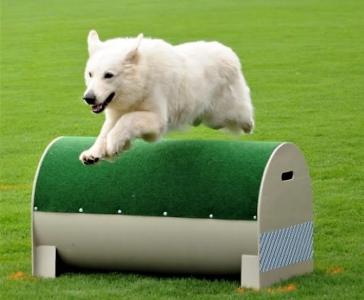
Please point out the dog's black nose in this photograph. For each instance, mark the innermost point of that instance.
(90, 97)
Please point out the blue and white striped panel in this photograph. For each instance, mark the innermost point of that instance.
(286, 246)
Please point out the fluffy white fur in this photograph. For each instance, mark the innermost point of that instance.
(158, 87)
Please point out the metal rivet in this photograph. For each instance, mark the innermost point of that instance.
(254, 217)
(119, 211)
(165, 214)
(35, 208)
(80, 210)
(211, 216)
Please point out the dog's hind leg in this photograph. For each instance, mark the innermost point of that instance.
(233, 109)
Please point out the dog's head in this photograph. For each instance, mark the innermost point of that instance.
(112, 75)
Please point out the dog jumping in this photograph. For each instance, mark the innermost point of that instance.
(147, 87)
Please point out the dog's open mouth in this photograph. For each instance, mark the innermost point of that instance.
(97, 108)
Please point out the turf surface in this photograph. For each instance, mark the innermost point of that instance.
(304, 63)
(188, 179)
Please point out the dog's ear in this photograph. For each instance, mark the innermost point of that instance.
(133, 53)
(93, 42)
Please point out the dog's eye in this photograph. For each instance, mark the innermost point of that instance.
(108, 75)
(90, 74)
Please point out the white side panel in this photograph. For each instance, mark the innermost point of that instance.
(155, 244)
(285, 217)
(283, 203)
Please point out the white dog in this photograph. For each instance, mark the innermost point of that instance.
(147, 86)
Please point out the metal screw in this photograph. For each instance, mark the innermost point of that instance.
(254, 217)
(165, 214)
(80, 210)
(119, 211)
(35, 208)
(211, 216)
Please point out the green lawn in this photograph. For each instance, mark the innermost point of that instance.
(304, 61)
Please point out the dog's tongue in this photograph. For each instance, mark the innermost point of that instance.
(97, 108)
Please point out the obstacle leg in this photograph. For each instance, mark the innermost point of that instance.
(44, 261)
(250, 274)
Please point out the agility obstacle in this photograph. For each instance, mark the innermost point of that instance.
(176, 207)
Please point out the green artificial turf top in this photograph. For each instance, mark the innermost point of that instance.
(193, 179)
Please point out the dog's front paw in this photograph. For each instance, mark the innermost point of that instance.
(89, 157)
(115, 146)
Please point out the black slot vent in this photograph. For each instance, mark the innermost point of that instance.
(287, 175)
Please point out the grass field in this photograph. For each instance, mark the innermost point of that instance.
(304, 61)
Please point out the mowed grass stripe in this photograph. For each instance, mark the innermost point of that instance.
(304, 63)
